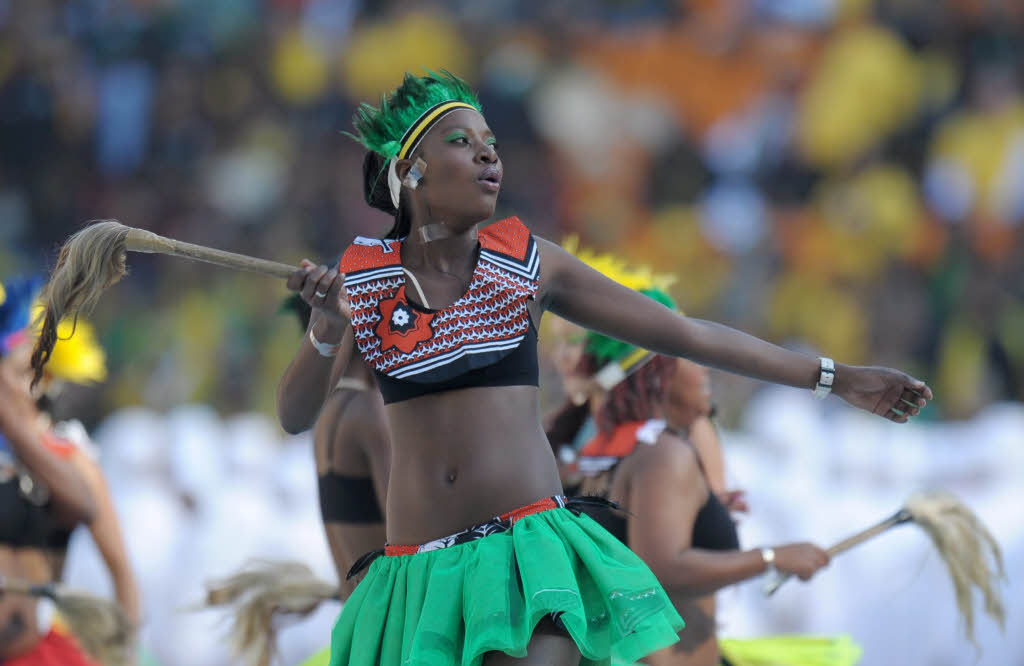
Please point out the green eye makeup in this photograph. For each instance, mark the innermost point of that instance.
(459, 134)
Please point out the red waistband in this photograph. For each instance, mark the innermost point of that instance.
(515, 515)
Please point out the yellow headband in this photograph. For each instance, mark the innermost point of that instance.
(423, 123)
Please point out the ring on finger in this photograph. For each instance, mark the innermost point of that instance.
(321, 294)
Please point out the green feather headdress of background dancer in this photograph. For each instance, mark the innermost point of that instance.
(394, 129)
(618, 359)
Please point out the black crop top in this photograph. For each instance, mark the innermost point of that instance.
(348, 499)
(519, 368)
(713, 528)
(27, 521)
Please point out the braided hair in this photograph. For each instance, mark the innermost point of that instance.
(377, 194)
(635, 398)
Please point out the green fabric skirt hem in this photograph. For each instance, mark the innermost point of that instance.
(449, 607)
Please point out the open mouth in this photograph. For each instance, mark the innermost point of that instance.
(490, 179)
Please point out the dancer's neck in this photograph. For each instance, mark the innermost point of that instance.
(436, 246)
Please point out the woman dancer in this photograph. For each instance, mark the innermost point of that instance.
(675, 521)
(572, 425)
(658, 403)
(43, 497)
(446, 318)
(78, 359)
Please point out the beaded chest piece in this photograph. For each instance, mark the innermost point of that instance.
(408, 342)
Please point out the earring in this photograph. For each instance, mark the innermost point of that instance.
(412, 178)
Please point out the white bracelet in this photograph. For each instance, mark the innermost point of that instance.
(772, 578)
(323, 348)
(826, 378)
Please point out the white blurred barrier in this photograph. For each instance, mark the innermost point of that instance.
(199, 496)
(819, 474)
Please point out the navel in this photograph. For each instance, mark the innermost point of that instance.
(452, 474)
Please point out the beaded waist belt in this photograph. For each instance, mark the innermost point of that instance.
(502, 523)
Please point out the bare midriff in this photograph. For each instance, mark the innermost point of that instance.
(461, 457)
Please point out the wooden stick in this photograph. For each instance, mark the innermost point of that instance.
(140, 240)
(901, 516)
(898, 518)
(94, 258)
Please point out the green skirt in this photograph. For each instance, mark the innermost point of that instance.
(449, 607)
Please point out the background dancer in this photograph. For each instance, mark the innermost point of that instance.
(43, 496)
(461, 406)
(572, 425)
(642, 456)
(78, 359)
(674, 520)
(351, 449)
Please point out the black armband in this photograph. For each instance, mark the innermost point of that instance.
(348, 499)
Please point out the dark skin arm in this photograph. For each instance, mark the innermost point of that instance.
(310, 376)
(19, 421)
(577, 292)
(106, 533)
(666, 491)
(704, 438)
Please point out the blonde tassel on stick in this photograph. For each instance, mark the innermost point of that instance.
(970, 552)
(262, 595)
(95, 258)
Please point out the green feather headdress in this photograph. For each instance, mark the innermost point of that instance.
(617, 359)
(381, 128)
(608, 350)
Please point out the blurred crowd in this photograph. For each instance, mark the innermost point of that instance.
(848, 173)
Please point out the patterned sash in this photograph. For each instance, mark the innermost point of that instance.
(496, 525)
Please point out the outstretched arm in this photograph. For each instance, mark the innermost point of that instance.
(575, 291)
